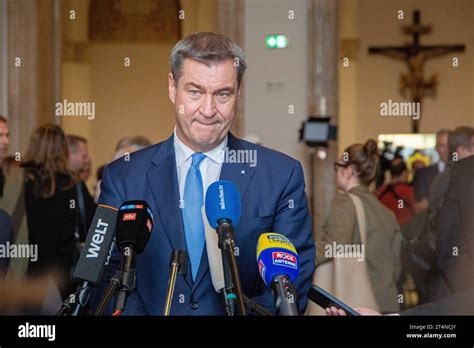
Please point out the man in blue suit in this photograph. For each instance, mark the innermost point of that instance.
(172, 176)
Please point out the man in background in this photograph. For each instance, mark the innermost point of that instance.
(424, 177)
(11, 196)
(79, 158)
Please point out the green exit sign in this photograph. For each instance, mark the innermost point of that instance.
(276, 41)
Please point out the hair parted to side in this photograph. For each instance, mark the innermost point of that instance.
(3, 119)
(207, 48)
(365, 160)
(47, 156)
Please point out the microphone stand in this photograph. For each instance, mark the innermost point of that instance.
(233, 288)
(178, 263)
(285, 296)
(114, 284)
(73, 304)
(259, 309)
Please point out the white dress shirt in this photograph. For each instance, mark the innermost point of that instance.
(441, 166)
(210, 166)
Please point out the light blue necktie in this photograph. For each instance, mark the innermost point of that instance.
(192, 216)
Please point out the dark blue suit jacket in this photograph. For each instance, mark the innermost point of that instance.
(6, 235)
(273, 200)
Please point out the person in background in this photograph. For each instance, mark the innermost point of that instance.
(397, 195)
(6, 237)
(11, 197)
(382, 252)
(131, 144)
(79, 158)
(424, 177)
(125, 146)
(422, 249)
(461, 146)
(456, 227)
(99, 173)
(52, 207)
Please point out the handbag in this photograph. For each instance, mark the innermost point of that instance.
(346, 278)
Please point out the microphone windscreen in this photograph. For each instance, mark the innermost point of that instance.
(223, 202)
(276, 255)
(99, 242)
(134, 225)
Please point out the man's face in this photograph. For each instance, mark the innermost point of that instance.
(442, 147)
(205, 100)
(4, 140)
(80, 159)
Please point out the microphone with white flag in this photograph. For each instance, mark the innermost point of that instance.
(215, 266)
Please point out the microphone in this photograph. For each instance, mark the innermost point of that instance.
(178, 263)
(93, 259)
(278, 266)
(134, 225)
(223, 209)
(98, 246)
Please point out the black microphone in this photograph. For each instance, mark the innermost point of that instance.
(134, 225)
(93, 259)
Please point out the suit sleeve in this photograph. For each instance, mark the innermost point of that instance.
(294, 221)
(453, 248)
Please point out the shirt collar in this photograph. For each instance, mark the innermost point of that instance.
(441, 166)
(183, 152)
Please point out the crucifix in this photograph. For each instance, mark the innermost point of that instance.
(415, 56)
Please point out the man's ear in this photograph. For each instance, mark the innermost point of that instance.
(238, 93)
(171, 88)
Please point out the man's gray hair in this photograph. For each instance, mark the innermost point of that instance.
(462, 136)
(138, 142)
(207, 48)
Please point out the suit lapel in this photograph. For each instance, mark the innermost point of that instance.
(163, 181)
(238, 173)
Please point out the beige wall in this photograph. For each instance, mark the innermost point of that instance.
(371, 80)
(129, 100)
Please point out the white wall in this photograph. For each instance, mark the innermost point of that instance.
(275, 78)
